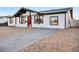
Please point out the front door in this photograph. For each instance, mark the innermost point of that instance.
(29, 22)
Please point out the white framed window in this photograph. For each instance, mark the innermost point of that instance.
(23, 19)
(38, 19)
(11, 21)
(53, 20)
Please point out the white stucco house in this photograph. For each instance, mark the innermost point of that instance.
(55, 18)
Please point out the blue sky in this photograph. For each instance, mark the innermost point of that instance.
(4, 11)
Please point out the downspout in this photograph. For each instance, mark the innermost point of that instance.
(65, 20)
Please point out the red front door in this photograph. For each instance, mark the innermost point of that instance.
(29, 21)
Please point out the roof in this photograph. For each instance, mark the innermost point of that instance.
(23, 10)
(5, 16)
(52, 11)
(63, 10)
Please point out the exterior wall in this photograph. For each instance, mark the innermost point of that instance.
(46, 22)
(18, 24)
(28, 13)
(68, 19)
(11, 24)
(75, 23)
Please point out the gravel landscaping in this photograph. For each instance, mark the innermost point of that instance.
(61, 41)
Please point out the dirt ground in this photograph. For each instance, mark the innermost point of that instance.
(13, 39)
(61, 41)
(12, 31)
(9, 31)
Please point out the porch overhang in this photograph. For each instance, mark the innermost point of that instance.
(23, 10)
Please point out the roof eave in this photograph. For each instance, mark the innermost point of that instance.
(53, 13)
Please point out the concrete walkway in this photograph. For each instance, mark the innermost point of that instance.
(14, 43)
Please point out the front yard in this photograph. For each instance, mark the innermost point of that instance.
(13, 39)
(62, 41)
(14, 31)
(39, 40)
(10, 31)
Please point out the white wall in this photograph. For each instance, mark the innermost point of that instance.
(25, 24)
(11, 24)
(68, 19)
(19, 24)
(28, 13)
(46, 22)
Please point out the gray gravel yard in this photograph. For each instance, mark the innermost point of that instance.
(62, 41)
(15, 43)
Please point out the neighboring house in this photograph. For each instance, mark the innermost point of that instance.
(55, 18)
(3, 21)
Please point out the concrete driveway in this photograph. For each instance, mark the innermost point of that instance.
(14, 43)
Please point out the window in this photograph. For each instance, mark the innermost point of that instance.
(38, 19)
(11, 20)
(15, 20)
(53, 20)
(23, 20)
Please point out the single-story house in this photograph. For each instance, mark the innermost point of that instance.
(55, 18)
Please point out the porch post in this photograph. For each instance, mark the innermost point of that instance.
(29, 20)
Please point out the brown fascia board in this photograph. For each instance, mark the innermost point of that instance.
(52, 13)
